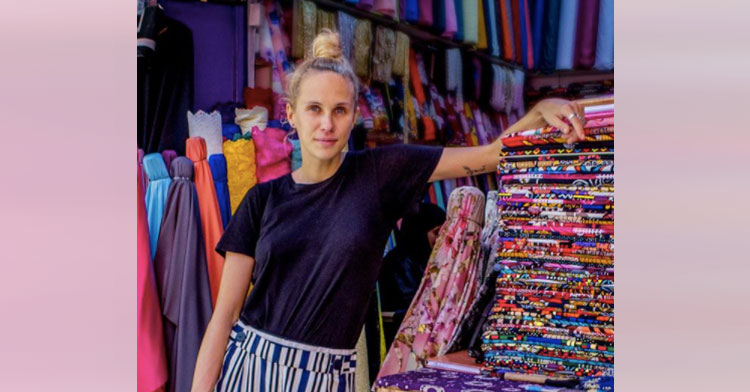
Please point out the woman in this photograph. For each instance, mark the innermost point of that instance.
(311, 241)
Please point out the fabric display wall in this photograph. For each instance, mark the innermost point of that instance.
(554, 294)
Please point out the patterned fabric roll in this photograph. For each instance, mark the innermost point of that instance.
(446, 289)
(309, 25)
(382, 58)
(346, 24)
(362, 46)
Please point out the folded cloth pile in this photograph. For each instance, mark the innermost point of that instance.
(553, 309)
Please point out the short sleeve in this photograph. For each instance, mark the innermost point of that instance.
(241, 234)
(402, 172)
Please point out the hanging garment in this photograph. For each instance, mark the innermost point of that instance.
(257, 361)
(537, 25)
(416, 80)
(207, 126)
(218, 164)
(247, 119)
(401, 55)
(156, 194)
(439, 380)
(241, 169)
(605, 37)
(382, 58)
(586, 32)
(507, 22)
(550, 34)
(169, 156)
(567, 35)
(346, 25)
(527, 49)
(151, 355)
(438, 16)
(471, 18)
(309, 25)
(182, 276)
(210, 214)
(481, 26)
(165, 88)
(271, 153)
(451, 24)
(445, 291)
(362, 46)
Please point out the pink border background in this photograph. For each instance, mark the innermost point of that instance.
(67, 238)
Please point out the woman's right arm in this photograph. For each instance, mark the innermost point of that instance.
(235, 281)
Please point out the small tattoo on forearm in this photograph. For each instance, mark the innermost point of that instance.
(472, 172)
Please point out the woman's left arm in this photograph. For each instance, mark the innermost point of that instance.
(469, 161)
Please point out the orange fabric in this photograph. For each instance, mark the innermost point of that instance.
(416, 83)
(506, 17)
(208, 203)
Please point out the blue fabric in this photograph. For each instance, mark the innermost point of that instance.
(412, 11)
(459, 20)
(218, 164)
(228, 130)
(567, 36)
(550, 32)
(156, 195)
(490, 17)
(296, 154)
(605, 38)
(537, 22)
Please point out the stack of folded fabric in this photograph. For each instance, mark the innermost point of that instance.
(554, 300)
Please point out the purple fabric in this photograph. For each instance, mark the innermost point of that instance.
(169, 156)
(586, 32)
(219, 39)
(182, 276)
(434, 380)
(425, 12)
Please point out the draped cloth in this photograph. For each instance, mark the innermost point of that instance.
(550, 33)
(169, 156)
(152, 357)
(241, 169)
(445, 291)
(586, 32)
(218, 164)
(182, 276)
(605, 38)
(272, 153)
(567, 34)
(210, 214)
(156, 194)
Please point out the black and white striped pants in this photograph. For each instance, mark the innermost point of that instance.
(258, 362)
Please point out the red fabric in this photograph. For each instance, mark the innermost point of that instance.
(208, 203)
(506, 17)
(516, 29)
(151, 354)
(259, 97)
(416, 82)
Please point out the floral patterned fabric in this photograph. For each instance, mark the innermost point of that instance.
(447, 288)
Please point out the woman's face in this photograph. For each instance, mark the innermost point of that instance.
(323, 115)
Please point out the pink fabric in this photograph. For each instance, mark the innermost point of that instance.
(425, 12)
(451, 23)
(272, 153)
(152, 357)
(447, 288)
(386, 7)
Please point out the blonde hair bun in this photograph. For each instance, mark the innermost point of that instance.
(327, 44)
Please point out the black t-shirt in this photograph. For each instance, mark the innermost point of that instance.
(318, 247)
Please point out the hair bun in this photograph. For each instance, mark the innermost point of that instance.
(327, 44)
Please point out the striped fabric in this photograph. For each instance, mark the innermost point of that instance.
(259, 362)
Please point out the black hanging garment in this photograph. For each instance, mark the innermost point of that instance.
(165, 84)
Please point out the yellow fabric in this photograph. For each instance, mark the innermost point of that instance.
(481, 27)
(241, 169)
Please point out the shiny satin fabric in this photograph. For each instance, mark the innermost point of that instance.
(151, 352)
(210, 214)
(156, 194)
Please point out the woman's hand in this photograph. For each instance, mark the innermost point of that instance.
(552, 111)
